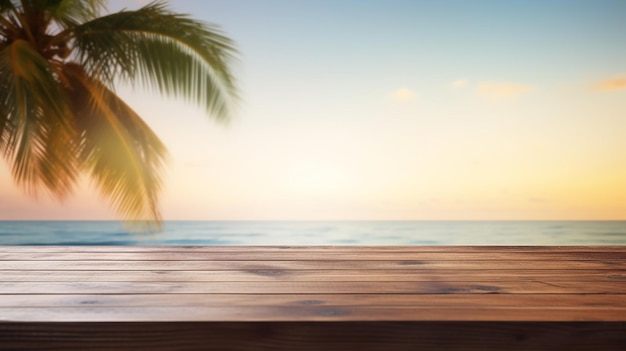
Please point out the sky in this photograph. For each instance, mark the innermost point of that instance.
(394, 110)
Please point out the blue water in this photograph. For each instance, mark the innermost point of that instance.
(318, 233)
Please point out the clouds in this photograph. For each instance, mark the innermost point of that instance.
(611, 84)
(502, 90)
(493, 90)
(402, 95)
(459, 83)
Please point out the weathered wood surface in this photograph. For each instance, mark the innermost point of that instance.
(559, 297)
(314, 336)
(240, 284)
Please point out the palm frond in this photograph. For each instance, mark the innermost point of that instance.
(72, 12)
(35, 132)
(121, 153)
(169, 52)
(59, 114)
(6, 5)
(8, 128)
(8, 18)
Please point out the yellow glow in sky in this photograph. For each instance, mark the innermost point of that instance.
(427, 117)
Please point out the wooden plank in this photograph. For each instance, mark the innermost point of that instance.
(317, 256)
(99, 265)
(540, 301)
(313, 336)
(267, 298)
(378, 275)
(305, 313)
(423, 287)
(312, 249)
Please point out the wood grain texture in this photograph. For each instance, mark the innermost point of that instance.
(339, 255)
(174, 265)
(339, 298)
(538, 301)
(344, 275)
(312, 287)
(345, 336)
(315, 249)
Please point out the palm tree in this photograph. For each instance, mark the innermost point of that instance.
(60, 117)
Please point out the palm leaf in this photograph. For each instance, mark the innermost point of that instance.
(59, 114)
(168, 52)
(72, 12)
(6, 5)
(121, 153)
(35, 133)
(8, 20)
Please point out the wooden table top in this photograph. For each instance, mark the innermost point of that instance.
(285, 284)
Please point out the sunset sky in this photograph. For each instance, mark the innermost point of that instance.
(394, 110)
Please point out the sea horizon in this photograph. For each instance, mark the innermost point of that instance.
(317, 232)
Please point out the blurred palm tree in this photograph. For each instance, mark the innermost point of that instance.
(60, 117)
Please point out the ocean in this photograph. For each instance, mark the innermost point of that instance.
(189, 233)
